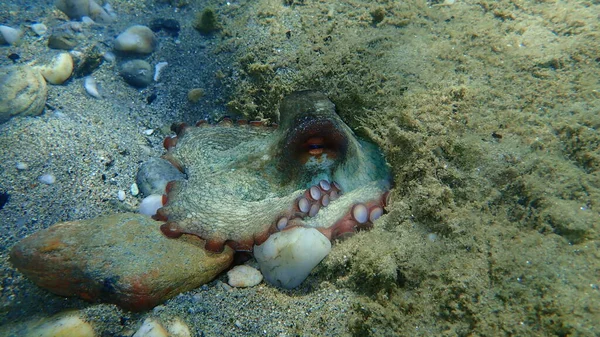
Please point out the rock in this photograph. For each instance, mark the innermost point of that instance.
(137, 73)
(151, 328)
(122, 259)
(287, 257)
(153, 176)
(244, 276)
(77, 9)
(9, 35)
(63, 39)
(136, 39)
(23, 92)
(65, 324)
(39, 29)
(58, 70)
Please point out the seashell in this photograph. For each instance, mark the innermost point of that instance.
(39, 28)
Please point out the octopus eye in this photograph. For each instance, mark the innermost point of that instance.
(315, 138)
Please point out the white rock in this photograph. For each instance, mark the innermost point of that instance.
(151, 328)
(158, 69)
(287, 257)
(136, 39)
(21, 166)
(9, 35)
(39, 28)
(151, 204)
(121, 195)
(63, 325)
(47, 179)
(134, 189)
(177, 328)
(244, 276)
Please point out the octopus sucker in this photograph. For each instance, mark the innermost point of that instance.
(247, 182)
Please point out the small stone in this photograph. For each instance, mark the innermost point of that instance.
(158, 70)
(151, 328)
(77, 9)
(47, 179)
(178, 328)
(67, 324)
(137, 73)
(39, 28)
(243, 276)
(121, 195)
(136, 39)
(134, 189)
(91, 87)
(123, 259)
(21, 166)
(57, 70)
(148, 132)
(23, 92)
(195, 94)
(9, 35)
(63, 39)
(171, 26)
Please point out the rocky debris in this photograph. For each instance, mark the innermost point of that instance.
(122, 259)
(23, 92)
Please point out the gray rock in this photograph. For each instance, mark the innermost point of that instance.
(76, 9)
(153, 176)
(137, 73)
(63, 39)
(23, 92)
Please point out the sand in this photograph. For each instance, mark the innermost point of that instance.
(487, 113)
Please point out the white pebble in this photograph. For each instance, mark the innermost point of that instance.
(151, 328)
(89, 83)
(151, 204)
(148, 132)
(9, 35)
(121, 195)
(244, 276)
(86, 20)
(109, 56)
(39, 28)
(157, 70)
(47, 179)
(134, 189)
(21, 166)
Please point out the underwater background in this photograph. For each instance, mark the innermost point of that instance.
(487, 112)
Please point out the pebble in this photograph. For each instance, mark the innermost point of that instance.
(158, 69)
(9, 35)
(244, 276)
(137, 73)
(23, 92)
(77, 9)
(68, 324)
(39, 28)
(21, 166)
(64, 38)
(134, 189)
(148, 132)
(151, 328)
(89, 83)
(121, 195)
(59, 69)
(47, 179)
(136, 39)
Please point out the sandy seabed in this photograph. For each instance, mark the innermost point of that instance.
(487, 112)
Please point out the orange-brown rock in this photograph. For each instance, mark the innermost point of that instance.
(122, 259)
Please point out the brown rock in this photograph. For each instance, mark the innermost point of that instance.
(122, 259)
(22, 92)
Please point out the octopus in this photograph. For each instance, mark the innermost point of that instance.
(246, 181)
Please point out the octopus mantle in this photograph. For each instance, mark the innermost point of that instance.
(246, 181)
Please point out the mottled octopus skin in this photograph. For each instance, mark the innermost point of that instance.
(242, 179)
